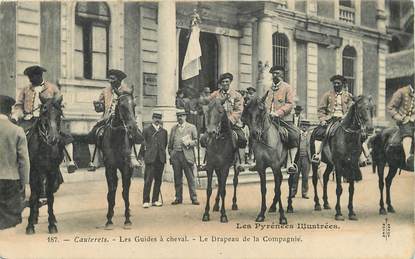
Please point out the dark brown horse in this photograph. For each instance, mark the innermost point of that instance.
(219, 153)
(387, 149)
(117, 143)
(46, 154)
(269, 151)
(342, 152)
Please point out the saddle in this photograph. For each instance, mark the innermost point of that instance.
(332, 127)
(281, 130)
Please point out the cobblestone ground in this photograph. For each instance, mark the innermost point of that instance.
(81, 208)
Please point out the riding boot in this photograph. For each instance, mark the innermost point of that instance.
(92, 152)
(291, 166)
(409, 158)
(69, 153)
(317, 156)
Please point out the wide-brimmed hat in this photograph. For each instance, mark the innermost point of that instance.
(157, 115)
(180, 112)
(118, 73)
(34, 70)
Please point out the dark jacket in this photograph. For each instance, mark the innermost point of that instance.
(154, 142)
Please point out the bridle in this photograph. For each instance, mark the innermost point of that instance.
(43, 131)
(359, 122)
(260, 120)
(123, 125)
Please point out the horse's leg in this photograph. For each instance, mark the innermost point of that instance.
(278, 181)
(291, 180)
(381, 169)
(33, 202)
(224, 176)
(208, 194)
(389, 179)
(51, 198)
(217, 198)
(235, 185)
(112, 182)
(326, 176)
(317, 205)
(126, 182)
(352, 214)
(262, 177)
(339, 191)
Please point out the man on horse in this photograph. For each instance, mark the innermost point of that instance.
(27, 108)
(333, 106)
(280, 103)
(106, 103)
(233, 105)
(402, 109)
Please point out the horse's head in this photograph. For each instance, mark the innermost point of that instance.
(125, 110)
(215, 114)
(363, 112)
(50, 118)
(254, 113)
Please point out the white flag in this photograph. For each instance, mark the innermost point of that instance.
(191, 63)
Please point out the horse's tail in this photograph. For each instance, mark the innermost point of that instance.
(377, 149)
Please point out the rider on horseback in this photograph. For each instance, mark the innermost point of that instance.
(233, 106)
(402, 109)
(106, 103)
(333, 106)
(280, 103)
(27, 108)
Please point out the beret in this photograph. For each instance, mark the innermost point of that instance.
(338, 77)
(225, 76)
(34, 70)
(118, 73)
(275, 68)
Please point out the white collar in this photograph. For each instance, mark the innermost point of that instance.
(157, 127)
(182, 125)
(275, 87)
(3, 117)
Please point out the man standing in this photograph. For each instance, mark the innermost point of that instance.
(304, 159)
(333, 106)
(153, 150)
(15, 166)
(106, 103)
(402, 109)
(279, 103)
(297, 115)
(233, 105)
(27, 108)
(183, 139)
(251, 92)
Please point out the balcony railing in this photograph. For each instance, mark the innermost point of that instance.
(280, 3)
(347, 14)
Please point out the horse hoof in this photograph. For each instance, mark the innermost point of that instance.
(317, 207)
(224, 219)
(109, 226)
(52, 229)
(272, 210)
(382, 211)
(391, 209)
(205, 217)
(326, 207)
(283, 221)
(290, 210)
(127, 224)
(234, 207)
(260, 218)
(352, 217)
(339, 217)
(30, 230)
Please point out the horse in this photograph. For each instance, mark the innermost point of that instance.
(269, 151)
(46, 154)
(220, 154)
(387, 149)
(116, 145)
(342, 152)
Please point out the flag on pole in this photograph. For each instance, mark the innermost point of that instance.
(191, 63)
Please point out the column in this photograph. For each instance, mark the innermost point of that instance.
(383, 50)
(312, 79)
(166, 90)
(381, 16)
(264, 53)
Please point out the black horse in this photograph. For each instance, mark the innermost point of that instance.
(46, 154)
(342, 152)
(387, 149)
(117, 143)
(269, 151)
(219, 153)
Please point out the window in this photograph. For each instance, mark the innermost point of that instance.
(349, 67)
(280, 52)
(92, 20)
(347, 11)
(347, 3)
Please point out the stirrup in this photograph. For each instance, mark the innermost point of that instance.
(91, 167)
(315, 159)
(293, 169)
(72, 167)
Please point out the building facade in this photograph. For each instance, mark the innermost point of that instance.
(77, 42)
